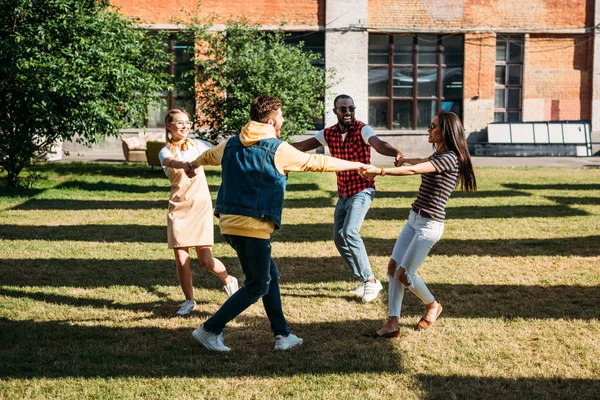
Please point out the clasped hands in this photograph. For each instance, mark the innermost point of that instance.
(189, 169)
(370, 171)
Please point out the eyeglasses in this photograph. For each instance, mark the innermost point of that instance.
(432, 126)
(345, 109)
(181, 124)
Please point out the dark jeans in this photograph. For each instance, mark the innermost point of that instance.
(262, 280)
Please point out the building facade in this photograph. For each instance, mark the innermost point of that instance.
(403, 61)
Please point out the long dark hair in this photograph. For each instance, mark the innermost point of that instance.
(454, 137)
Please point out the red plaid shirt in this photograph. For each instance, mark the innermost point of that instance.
(353, 148)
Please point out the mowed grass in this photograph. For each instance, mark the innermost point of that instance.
(88, 292)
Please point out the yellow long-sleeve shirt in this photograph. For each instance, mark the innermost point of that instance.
(287, 159)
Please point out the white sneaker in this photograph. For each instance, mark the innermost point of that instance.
(371, 291)
(186, 308)
(359, 291)
(209, 340)
(231, 287)
(287, 342)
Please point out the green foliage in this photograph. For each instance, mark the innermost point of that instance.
(70, 69)
(241, 62)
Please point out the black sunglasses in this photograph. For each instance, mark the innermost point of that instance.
(345, 109)
(432, 126)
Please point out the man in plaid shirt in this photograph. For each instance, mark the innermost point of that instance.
(351, 140)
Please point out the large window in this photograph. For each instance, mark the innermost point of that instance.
(171, 99)
(413, 77)
(509, 78)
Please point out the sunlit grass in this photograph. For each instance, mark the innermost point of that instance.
(88, 292)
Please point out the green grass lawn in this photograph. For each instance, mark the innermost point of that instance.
(88, 292)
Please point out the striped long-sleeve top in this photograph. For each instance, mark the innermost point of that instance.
(436, 187)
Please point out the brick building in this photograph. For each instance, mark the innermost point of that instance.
(403, 61)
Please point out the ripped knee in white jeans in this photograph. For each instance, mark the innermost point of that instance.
(408, 282)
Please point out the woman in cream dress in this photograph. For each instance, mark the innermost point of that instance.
(190, 217)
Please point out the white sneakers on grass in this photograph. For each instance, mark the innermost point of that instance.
(209, 340)
(372, 290)
(231, 287)
(215, 342)
(287, 342)
(359, 291)
(187, 308)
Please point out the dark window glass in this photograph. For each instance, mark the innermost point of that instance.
(426, 112)
(514, 75)
(427, 49)
(499, 98)
(403, 82)
(498, 117)
(427, 82)
(514, 98)
(515, 50)
(402, 114)
(378, 49)
(403, 48)
(513, 116)
(453, 50)
(501, 74)
(500, 50)
(378, 82)
(452, 82)
(377, 114)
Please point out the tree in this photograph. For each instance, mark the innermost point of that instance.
(234, 65)
(71, 69)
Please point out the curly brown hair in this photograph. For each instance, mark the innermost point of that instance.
(263, 108)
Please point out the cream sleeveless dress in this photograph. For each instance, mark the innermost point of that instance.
(190, 217)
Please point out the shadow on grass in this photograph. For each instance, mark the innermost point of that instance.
(591, 201)
(480, 212)
(556, 186)
(64, 349)
(474, 387)
(114, 187)
(460, 300)
(455, 194)
(583, 246)
(57, 204)
(118, 170)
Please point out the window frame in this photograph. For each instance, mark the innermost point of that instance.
(507, 86)
(440, 66)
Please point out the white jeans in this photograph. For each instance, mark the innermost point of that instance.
(412, 246)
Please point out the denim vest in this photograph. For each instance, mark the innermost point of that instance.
(251, 185)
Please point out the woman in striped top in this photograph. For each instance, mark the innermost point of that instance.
(440, 172)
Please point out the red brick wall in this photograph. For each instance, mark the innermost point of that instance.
(265, 12)
(558, 70)
(480, 58)
(496, 14)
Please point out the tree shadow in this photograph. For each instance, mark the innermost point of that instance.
(481, 212)
(118, 170)
(60, 204)
(555, 186)
(114, 187)
(64, 349)
(583, 246)
(455, 194)
(475, 387)
(591, 201)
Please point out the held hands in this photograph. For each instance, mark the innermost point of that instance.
(369, 171)
(400, 160)
(189, 169)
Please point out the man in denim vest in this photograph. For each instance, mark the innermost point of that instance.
(351, 140)
(249, 206)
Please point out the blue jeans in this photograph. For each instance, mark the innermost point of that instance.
(347, 220)
(262, 280)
